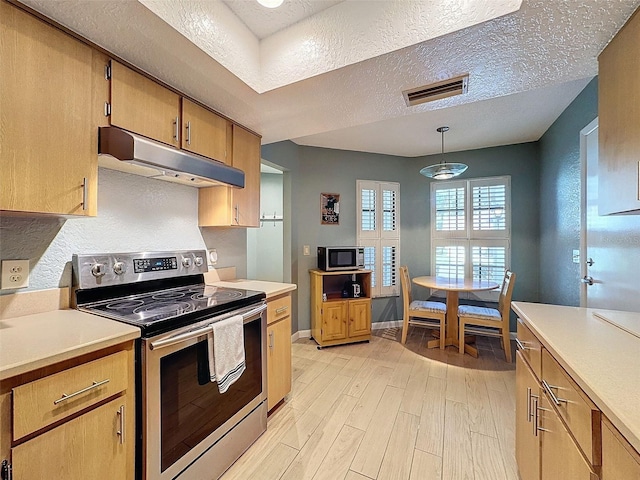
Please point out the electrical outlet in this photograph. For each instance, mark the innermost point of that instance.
(213, 256)
(575, 257)
(15, 274)
(305, 250)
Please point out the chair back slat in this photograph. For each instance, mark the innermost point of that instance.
(405, 282)
(504, 302)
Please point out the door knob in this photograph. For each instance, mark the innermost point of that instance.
(590, 262)
(587, 279)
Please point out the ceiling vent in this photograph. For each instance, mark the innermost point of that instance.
(436, 91)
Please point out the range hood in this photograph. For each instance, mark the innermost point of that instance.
(128, 152)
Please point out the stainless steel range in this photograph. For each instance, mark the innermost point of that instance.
(185, 427)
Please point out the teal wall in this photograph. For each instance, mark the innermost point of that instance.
(315, 170)
(560, 169)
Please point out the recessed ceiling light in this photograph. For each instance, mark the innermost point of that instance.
(270, 3)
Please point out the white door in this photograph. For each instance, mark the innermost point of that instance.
(610, 243)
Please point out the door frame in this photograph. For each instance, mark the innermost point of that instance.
(583, 206)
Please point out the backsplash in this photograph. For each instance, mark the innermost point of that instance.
(134, 214)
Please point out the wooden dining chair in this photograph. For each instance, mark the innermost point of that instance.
(489, 321)
(419, 312)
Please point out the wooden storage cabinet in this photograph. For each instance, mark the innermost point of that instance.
(619, 459)
(527, 440)
(73, 420)
(336, 320)
(279, 349)
(619, 121)
(558, 428)
(49, 111)
(140, 105)
(205, 132)
(228, 206)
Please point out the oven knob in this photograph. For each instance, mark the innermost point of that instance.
(186, 262)
(98, 269)
(198, 261)
(120, 268)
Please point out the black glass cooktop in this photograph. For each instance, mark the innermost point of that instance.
(165, 309)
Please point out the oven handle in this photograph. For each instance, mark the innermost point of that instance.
(181, 337)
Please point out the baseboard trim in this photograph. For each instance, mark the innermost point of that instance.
(300, 334)
(374, 326)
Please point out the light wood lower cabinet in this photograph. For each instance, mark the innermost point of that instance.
(557, 426)
(74, 420)
(49, 111)
(619, 459)
(560, 457)
(336, 320)
(235, 207)
(278, 349)
(86, 447)
(527, 440)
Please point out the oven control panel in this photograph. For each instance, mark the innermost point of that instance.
(101, 270)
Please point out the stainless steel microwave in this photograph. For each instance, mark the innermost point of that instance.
(340, 258)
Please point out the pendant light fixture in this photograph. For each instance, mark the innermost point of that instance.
(443, 170)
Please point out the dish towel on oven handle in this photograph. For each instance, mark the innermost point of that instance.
(226, 351)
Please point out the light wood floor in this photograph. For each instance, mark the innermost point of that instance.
(382, 410)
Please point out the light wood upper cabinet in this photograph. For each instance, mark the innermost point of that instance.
(48, 119)
(206, 133)
(619, 121)
(227, 206)
(140, 105)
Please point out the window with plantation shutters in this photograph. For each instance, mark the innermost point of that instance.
(378, 232)
(470, 230)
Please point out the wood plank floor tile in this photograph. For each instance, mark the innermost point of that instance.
(336, 463)
(306, 464)
(478, 404)
(431, 433)
(457, 456)
(413, 397)
(487, 458)
(274, 464)
(456, 384)
(369, 456)
(396, 463)
(351, 475)
(505, 417)
(425, 466)
(367, 404)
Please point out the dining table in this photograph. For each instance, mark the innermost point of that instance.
(453, 287)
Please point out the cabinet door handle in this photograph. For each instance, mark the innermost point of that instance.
(536, 427)
(85, 193)
(65, 397)
(188, 133)
(176, 129)
(122, 424)
(555, 399)
(281, 310)
(271, 339)
(528, 404)
(520, 345)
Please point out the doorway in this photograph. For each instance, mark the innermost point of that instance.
(609, 244)
(265, 245)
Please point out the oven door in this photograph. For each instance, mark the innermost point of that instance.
(183, 413)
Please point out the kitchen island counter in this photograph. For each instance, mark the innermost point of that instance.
(602, 358)
(34, 341)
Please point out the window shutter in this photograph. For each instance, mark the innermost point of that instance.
(490, 208)
(448, 210)
(390, 211)
(389, 265)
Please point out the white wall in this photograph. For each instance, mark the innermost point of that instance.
(134, 214)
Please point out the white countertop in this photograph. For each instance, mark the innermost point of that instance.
(272, 289)
(603, 359)
(34, 341)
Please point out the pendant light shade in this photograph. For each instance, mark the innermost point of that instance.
(270, 3)
(443, 170)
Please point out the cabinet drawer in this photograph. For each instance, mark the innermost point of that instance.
(277, 308)
(530, 348)
(53, 398)
(579, 413)
(619, 459)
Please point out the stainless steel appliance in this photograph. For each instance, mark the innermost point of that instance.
(340, 258)
(186, 429)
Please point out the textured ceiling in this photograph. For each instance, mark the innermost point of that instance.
(525, 68)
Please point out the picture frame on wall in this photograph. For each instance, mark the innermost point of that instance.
(330, 208)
